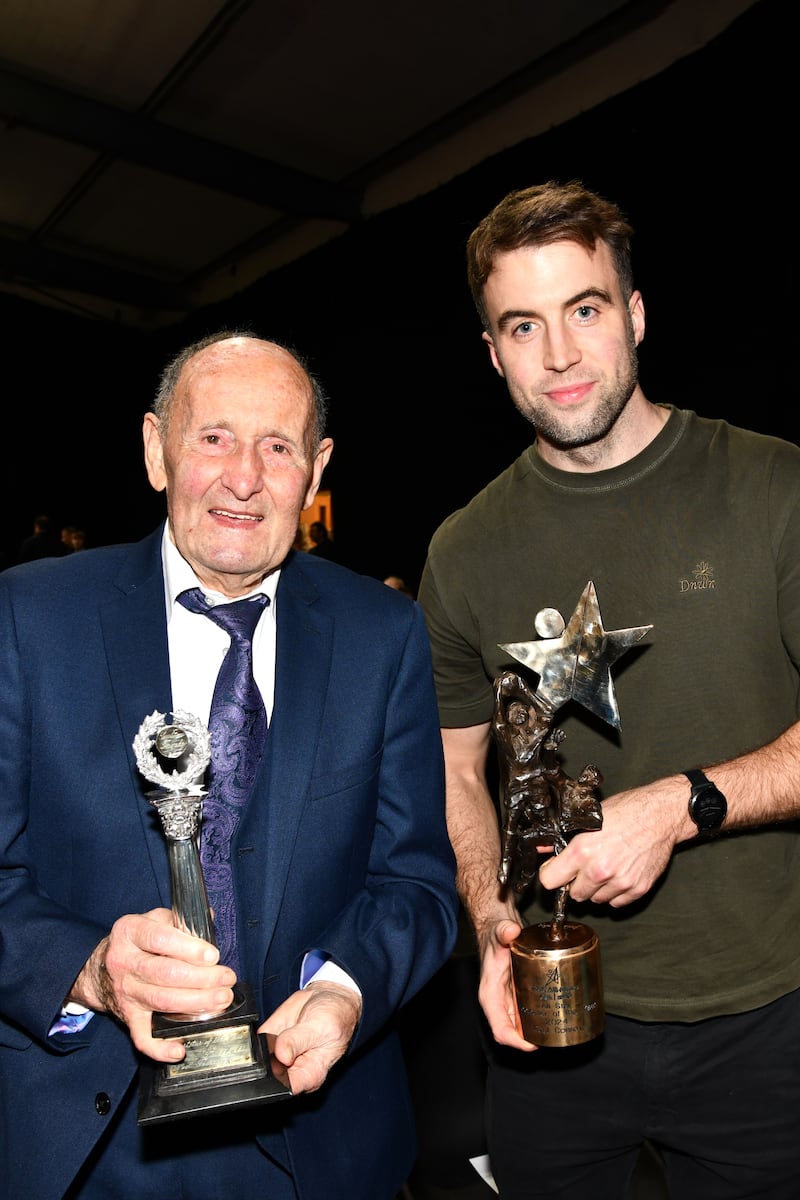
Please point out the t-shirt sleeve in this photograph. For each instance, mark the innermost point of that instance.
(463, 690)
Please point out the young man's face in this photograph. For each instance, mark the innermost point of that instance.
(564, 338)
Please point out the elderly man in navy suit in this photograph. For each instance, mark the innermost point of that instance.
(342, 874)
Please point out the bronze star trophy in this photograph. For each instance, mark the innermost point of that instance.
(556, 964)
(227, 1061)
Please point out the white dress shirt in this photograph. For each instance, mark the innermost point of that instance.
(197, 648)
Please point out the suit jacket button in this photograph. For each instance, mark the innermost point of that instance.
(103, 1104)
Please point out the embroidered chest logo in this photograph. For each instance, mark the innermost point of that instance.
(702, 579)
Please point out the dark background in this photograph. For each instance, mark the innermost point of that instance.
(699, 157)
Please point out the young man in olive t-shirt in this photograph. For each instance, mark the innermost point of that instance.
(693, 885)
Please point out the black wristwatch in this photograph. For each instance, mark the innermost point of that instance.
(707, 805)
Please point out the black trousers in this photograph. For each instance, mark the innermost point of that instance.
(719, 1098)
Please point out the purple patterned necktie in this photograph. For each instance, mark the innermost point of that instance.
(238, 728)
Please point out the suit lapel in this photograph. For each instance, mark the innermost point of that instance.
(135, 637)
(302, 678)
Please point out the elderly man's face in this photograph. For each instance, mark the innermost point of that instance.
(236, 462)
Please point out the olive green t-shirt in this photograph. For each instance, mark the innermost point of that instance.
(698, 536)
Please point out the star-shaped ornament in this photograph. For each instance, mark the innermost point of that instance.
(574, 661)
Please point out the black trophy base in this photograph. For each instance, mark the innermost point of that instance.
(228, 1064)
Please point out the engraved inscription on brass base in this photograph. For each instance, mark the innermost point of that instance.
(558, 984)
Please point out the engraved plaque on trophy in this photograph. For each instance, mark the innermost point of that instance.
(227, 1062)
(555, 964)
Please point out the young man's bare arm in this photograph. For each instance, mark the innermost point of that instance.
(474, 831)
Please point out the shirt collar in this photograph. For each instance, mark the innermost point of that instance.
(178, 576)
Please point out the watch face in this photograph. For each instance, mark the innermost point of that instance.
(708, 808)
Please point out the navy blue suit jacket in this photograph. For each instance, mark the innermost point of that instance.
(342, 849)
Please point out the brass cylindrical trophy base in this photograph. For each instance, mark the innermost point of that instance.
(558, 984)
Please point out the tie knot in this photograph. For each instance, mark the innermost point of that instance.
(239, 619)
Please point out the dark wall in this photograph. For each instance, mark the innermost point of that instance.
(698, 158)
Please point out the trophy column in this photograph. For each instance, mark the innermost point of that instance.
(227, 1061)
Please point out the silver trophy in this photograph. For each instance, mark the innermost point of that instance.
(228, 1063)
